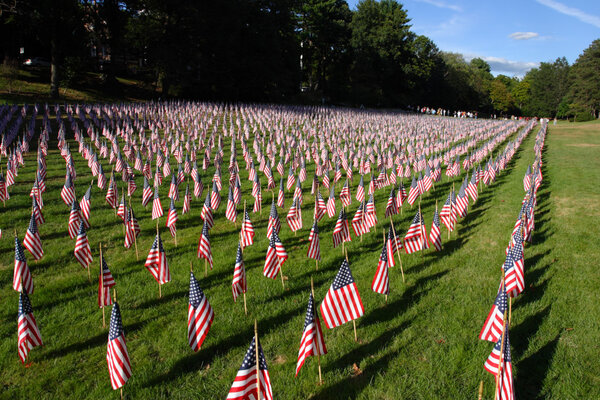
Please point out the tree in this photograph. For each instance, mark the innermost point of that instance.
(500, 96)
(585, 82)
(549, 84)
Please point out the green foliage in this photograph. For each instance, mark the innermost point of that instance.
(500, 96)
(549, 84)
(585, 87)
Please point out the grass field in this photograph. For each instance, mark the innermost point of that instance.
(422, 344)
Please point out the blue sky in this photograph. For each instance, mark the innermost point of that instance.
(512, 36)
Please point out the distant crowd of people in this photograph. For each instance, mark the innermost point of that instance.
(443, 112)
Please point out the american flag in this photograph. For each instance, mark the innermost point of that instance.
(391, 207)
(435, 236)
(499, 364)
(85, 206)
(156, 262)
(74, 220)
(247, 231)
(276, 256)
(67, 192)
(448, 213)
(82, 251)
(3, 189)
(294, 216)
(341, 231)
(187, 200)
(121, 209)
(312, 342)
(117, 357)
(274, 224)
(111, 193)
(204, 250)
(326, 179)
(514, 272)
(358, 222)
(32, 241)
(245, 384)
(342, 302)
(101, 178)
(360, 190)
(257, 199)
(172, 219)
(298, 192)
(206, 212)
(131, 186)
(472, 187)
(200, 315)
(345, 196)
(230, 210)
(331, 202)
(22, 280)
(414, 192)
(381, 280)
(215, 197)
(173, 188)
(370, 218)
(320, 206)
(157, 210)
(146, 193)
(27, 331)
(198, 186)
(105, 283)
(291, 179)
(37, 212)
(281, 195)
(462, 202)
(494, 323)
(239, 285)
(401, 195)
(416, 237)
(314, 247)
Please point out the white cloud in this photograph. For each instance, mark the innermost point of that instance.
(572, 12)
(524, 35)
(502, 65)
(441, 4)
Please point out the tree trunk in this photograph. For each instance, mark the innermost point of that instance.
(54, 65)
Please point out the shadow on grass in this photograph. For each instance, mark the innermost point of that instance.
(351, 386)
(532, 371)
(195, 362)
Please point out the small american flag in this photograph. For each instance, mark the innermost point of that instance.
(370, 218)
(32, 241)
(67, 192)
(82, 252)
(314, 247)
(281, 194)
(499, 364)
(414, 239)
(381, 280)
(391, 207)
(448, 213)
(414, 192)
(200, 315)
(28, 332)
(345, 196)
(245, 384)
(172, 219)
(22, 280)
(105, 283)
(117, 356)
(157, 210)
(121, 209)
(187, 200)
(230, 210)
(204, 250)
(276, 256)
(274, 224)
(156, 262)
(238, 285)
(215, 197)
(360, 190)
(435, 236)
(342, 302)
(111, 193)
(74, 220)
(247, 231)
(146, 193)
(331, 202)
(341, 231)
(294, 216)
(494, 323)
(85, 206)
(320, 207)
(312, 342)
(514, 273)
(206, 213)
(358, 222)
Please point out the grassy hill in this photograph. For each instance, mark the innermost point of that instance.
(421, 344)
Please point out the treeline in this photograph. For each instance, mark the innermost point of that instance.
(283, 51)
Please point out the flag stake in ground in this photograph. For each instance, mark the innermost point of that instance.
(383, 234)
(353, 321)
(257, 360)
(159, 286)
(480, 395)
(137, 258)
(312, 291)
(102, 289)
(397, 249)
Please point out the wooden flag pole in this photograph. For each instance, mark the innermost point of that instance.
(137, 257)
(257, 360)
(245, 308)
(315, 316)
(480, 395)
(397, 248)
(383, 234)
(102, 289)
(159, 287)
(280, 271)
(502, 343)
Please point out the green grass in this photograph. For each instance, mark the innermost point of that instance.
(422, 344)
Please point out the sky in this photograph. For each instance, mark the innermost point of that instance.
(512, 36)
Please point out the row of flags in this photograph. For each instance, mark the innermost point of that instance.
(497, 323)
(342, 293)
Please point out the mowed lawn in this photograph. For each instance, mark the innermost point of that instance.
(421, 344)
